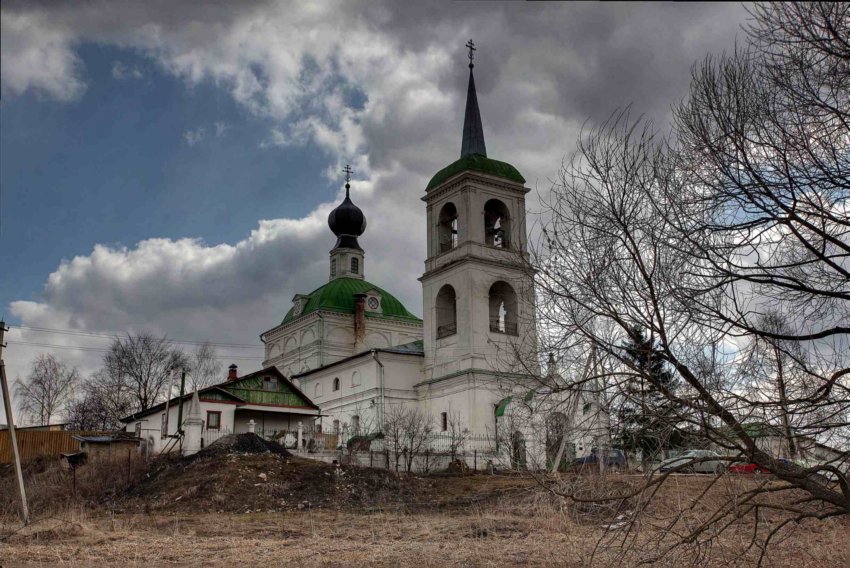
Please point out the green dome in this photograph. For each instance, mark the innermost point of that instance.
(338, 296)
(476, 163)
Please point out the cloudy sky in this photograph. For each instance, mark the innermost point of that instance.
(170, 166)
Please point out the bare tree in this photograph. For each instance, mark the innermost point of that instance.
(47, 391)
(417, 426)
(457, 433)
(696, 237)
(105, 399)
(204, 368)
(145, 363)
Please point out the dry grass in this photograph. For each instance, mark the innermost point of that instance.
(425, 521)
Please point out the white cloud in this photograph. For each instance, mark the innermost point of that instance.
(195, 136)
(220, 128)
(122, 72)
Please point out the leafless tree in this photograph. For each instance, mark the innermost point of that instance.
(457, 433)
(698, 236)
(104, 400)
(47, 391)
(145, 363)
(204, 368)
(406, 433)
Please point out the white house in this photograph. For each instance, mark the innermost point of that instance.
(356, 351)
(266, 397)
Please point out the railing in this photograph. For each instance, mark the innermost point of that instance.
(209, 436)
(446, 330)
(461, 443)
(506, 327)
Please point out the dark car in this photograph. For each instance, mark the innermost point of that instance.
(613, 458)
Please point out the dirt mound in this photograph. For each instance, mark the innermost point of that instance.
(243, 444)
(228, 479)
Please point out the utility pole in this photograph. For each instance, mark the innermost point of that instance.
(7, 401)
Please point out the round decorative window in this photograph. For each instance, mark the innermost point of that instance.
(373, 303)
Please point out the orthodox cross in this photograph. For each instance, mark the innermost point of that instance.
(472, 49)
(347, 171)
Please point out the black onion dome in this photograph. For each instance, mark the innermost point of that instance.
(347, 222)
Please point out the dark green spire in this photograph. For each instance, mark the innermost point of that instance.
(473, 131)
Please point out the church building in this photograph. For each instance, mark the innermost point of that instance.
(356, 351)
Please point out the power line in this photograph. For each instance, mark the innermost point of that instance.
(106, 349)
(117, 335)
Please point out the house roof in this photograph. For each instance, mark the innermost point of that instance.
(338, 296)
(246, 390)
(415, 348)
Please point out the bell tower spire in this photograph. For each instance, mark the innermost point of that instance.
(473, 131)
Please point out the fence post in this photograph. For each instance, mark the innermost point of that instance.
(475, 460)
(427, 455)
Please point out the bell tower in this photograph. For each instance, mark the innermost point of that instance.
(347, 222)
(479, 322)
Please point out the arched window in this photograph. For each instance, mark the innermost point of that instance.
(355, 265)
(333, 267)
(317, 390)
(503, 308)
(446, 312)
(497, 224)
(355, 424)
(355, 379)
(448, 227)
(336, 384)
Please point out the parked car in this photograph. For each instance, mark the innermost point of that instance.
(742, 467)
(613, 458)
(695, 461)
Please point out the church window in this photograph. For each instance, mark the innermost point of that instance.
(448, 227)
(333, 267)
(497, 224)
(355, 265)
(355, 379)
(355, 424)
(336, 384)
(444, 421)
(446, 306)
(269, 384)
(317, 390)
(503, 309)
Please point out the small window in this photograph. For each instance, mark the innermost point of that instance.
(138, 429)
(355, 424)
(269, 383)
(333, 267)
(355, 265)
(336, 426)
(444, 421)
(317, 390)
(213, 420)
(355, 379)
(336, 384)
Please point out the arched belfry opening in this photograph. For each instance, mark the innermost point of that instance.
(446, 306)
(447, 229)
(497, 224)
(503, 309)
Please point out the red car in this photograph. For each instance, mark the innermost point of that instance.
(741, 467)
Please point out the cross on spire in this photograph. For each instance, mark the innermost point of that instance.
(472, 51)
(347, 171)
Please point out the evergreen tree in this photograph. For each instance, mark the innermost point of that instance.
(647, 419)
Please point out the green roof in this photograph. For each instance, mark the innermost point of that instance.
(476, 163)
(338, 296)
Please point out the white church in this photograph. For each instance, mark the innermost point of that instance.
(356, 351)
